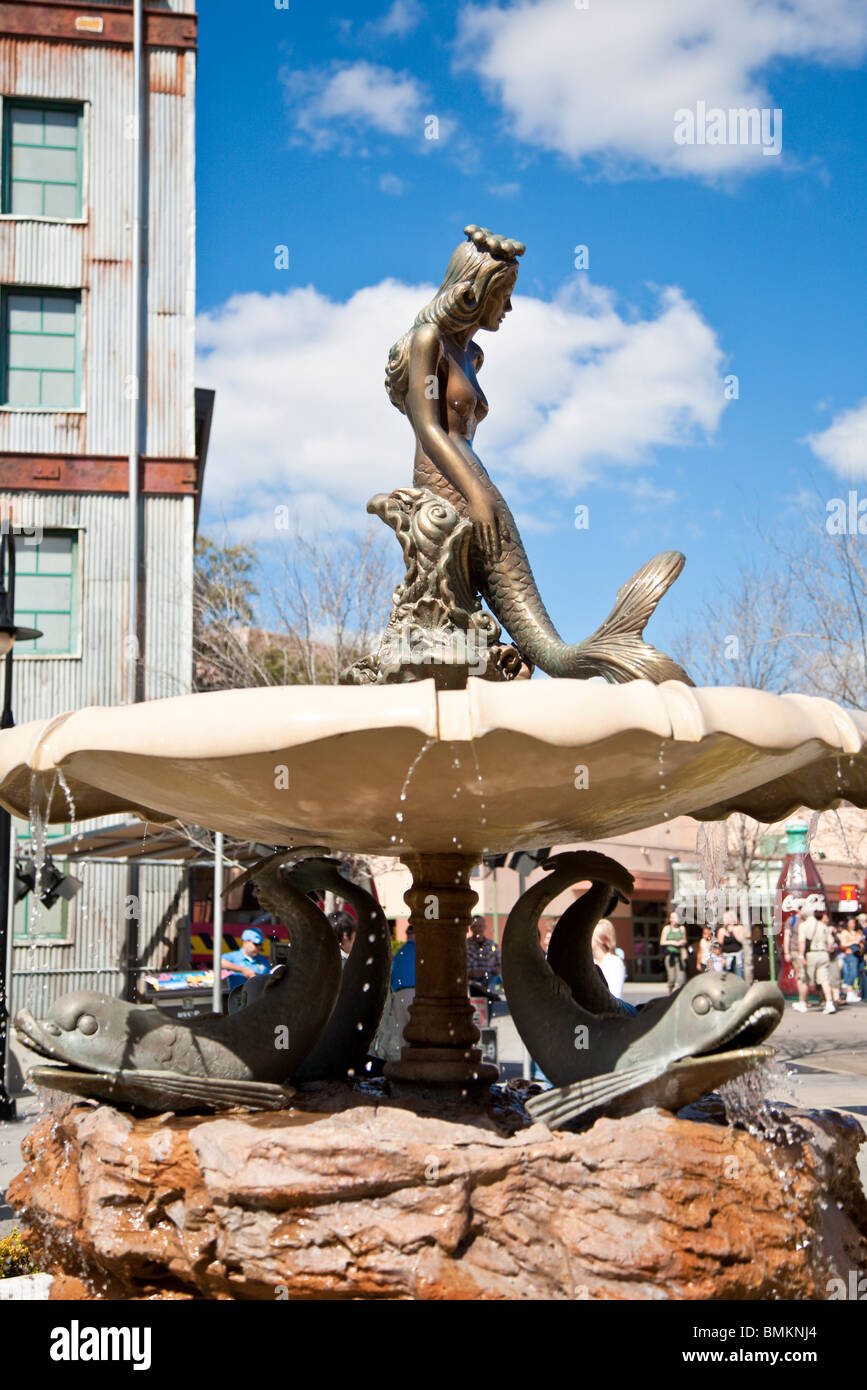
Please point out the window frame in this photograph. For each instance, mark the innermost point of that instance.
(43, 292)
(40, 104)
(77, 533)
(66, 935)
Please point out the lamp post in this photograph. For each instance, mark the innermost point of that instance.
(8, 633)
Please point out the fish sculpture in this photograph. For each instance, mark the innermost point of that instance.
(602, 1055)
(342, 1047)
(310, 1021)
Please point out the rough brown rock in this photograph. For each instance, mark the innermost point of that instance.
(365, 1198)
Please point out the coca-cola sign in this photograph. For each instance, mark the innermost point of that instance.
(794, 902)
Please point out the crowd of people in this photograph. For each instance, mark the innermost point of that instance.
(824, 956)
(827, 957)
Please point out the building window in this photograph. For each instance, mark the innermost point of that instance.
(32, 920)
(42, 160)
(46, 592)
(41, 355)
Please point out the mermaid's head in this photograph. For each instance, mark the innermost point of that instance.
(479, 278)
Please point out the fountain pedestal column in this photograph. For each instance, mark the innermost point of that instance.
(441, 1035)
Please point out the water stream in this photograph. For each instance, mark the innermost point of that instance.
(397, 840)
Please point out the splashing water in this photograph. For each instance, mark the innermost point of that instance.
(41, 795)
(751, 1103)
(70, 801)
(660, 772)
(396, 840)
(483, 820)
(428, 743)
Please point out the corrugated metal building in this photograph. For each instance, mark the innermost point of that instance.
(70, 145)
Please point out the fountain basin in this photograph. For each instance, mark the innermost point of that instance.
(410, 769)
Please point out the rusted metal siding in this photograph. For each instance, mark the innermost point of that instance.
(95, 958)
(46, 686)
(41, 253)
(95, 256)
(168, 596)
(171, 257)
(177, 6)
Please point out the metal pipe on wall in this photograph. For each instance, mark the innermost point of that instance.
(134, 655)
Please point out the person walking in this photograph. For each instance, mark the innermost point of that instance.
(731, 938)
(814, 955)
(673, 945)
(789, 931)
(835, 952)
(705, 946)
(860, 925)
(849, 938)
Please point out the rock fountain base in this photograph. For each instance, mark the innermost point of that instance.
(351, 1194)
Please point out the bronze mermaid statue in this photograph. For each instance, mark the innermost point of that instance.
(432, 378)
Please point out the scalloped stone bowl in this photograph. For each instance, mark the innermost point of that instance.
(408, 769)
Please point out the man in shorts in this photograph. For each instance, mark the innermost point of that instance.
(814, 956)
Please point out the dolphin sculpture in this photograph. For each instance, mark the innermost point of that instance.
(603, 1056)
(342, 1048)
(115, 1050)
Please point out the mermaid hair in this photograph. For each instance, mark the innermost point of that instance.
(475, 267)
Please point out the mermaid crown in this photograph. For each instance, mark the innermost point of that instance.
(502, 248)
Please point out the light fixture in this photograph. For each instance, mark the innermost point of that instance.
(52, 883)
(10, 632)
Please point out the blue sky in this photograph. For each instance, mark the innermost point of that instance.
(606, 386)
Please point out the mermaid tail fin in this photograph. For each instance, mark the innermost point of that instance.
(616, 650)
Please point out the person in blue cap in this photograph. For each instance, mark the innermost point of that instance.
(248, 962)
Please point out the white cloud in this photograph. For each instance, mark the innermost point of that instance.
(843, 445)
(390, 183)
(579, 386)
(578, 390)
(399, 20)
(333, 102)
(603, 83)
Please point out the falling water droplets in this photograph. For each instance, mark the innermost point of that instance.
(70, 801)
(404, 791)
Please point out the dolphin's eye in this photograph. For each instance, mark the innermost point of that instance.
(701, 1004)
(87, 1024)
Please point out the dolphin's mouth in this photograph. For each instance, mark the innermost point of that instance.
(758, 1024)
(37, 1037)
